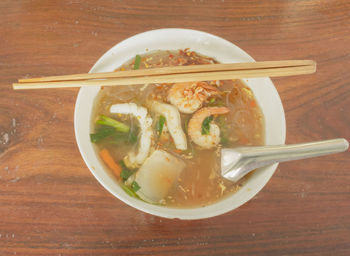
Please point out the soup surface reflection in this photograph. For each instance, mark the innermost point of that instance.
(138, 128)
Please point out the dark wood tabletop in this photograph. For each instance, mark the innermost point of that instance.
(50, 203)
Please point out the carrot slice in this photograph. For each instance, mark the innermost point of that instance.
(109, 161)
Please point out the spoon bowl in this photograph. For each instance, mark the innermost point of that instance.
(238, 162)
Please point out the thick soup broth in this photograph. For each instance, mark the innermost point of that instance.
(199, 182)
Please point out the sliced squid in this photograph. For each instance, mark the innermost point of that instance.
(173, 122)
(135, 159)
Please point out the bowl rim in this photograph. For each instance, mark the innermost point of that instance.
(162, 211)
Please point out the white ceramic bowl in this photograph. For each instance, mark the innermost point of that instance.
(204, 43)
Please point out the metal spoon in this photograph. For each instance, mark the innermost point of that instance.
(237, 162)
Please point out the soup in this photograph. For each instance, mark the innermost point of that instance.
(162, 141)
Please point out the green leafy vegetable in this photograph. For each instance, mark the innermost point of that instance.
(112, 128)
(206, 125)
(122, 164)
(132, 193)
(126, 172)
(135, 186)
(129, 191)
(119, 126)
(137, 61)
(160, 125)
(102, 133)
(114, 137)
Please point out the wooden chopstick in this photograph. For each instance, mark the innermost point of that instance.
(174, 70)
(174, 74)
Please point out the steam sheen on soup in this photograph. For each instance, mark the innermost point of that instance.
(162, 142)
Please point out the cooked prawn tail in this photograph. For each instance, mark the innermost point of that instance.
(218, 110)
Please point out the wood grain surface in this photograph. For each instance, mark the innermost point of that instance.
(50, 204)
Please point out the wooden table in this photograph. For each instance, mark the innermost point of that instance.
(50, 204)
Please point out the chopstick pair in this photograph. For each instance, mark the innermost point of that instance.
(174, 74)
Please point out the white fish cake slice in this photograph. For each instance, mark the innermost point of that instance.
(158, 175)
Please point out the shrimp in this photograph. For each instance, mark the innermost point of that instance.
(189, 97)
(146, 135)
(173, 121)
(195, 127)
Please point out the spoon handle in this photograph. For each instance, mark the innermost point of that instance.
(245, 159)
(282, 153)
